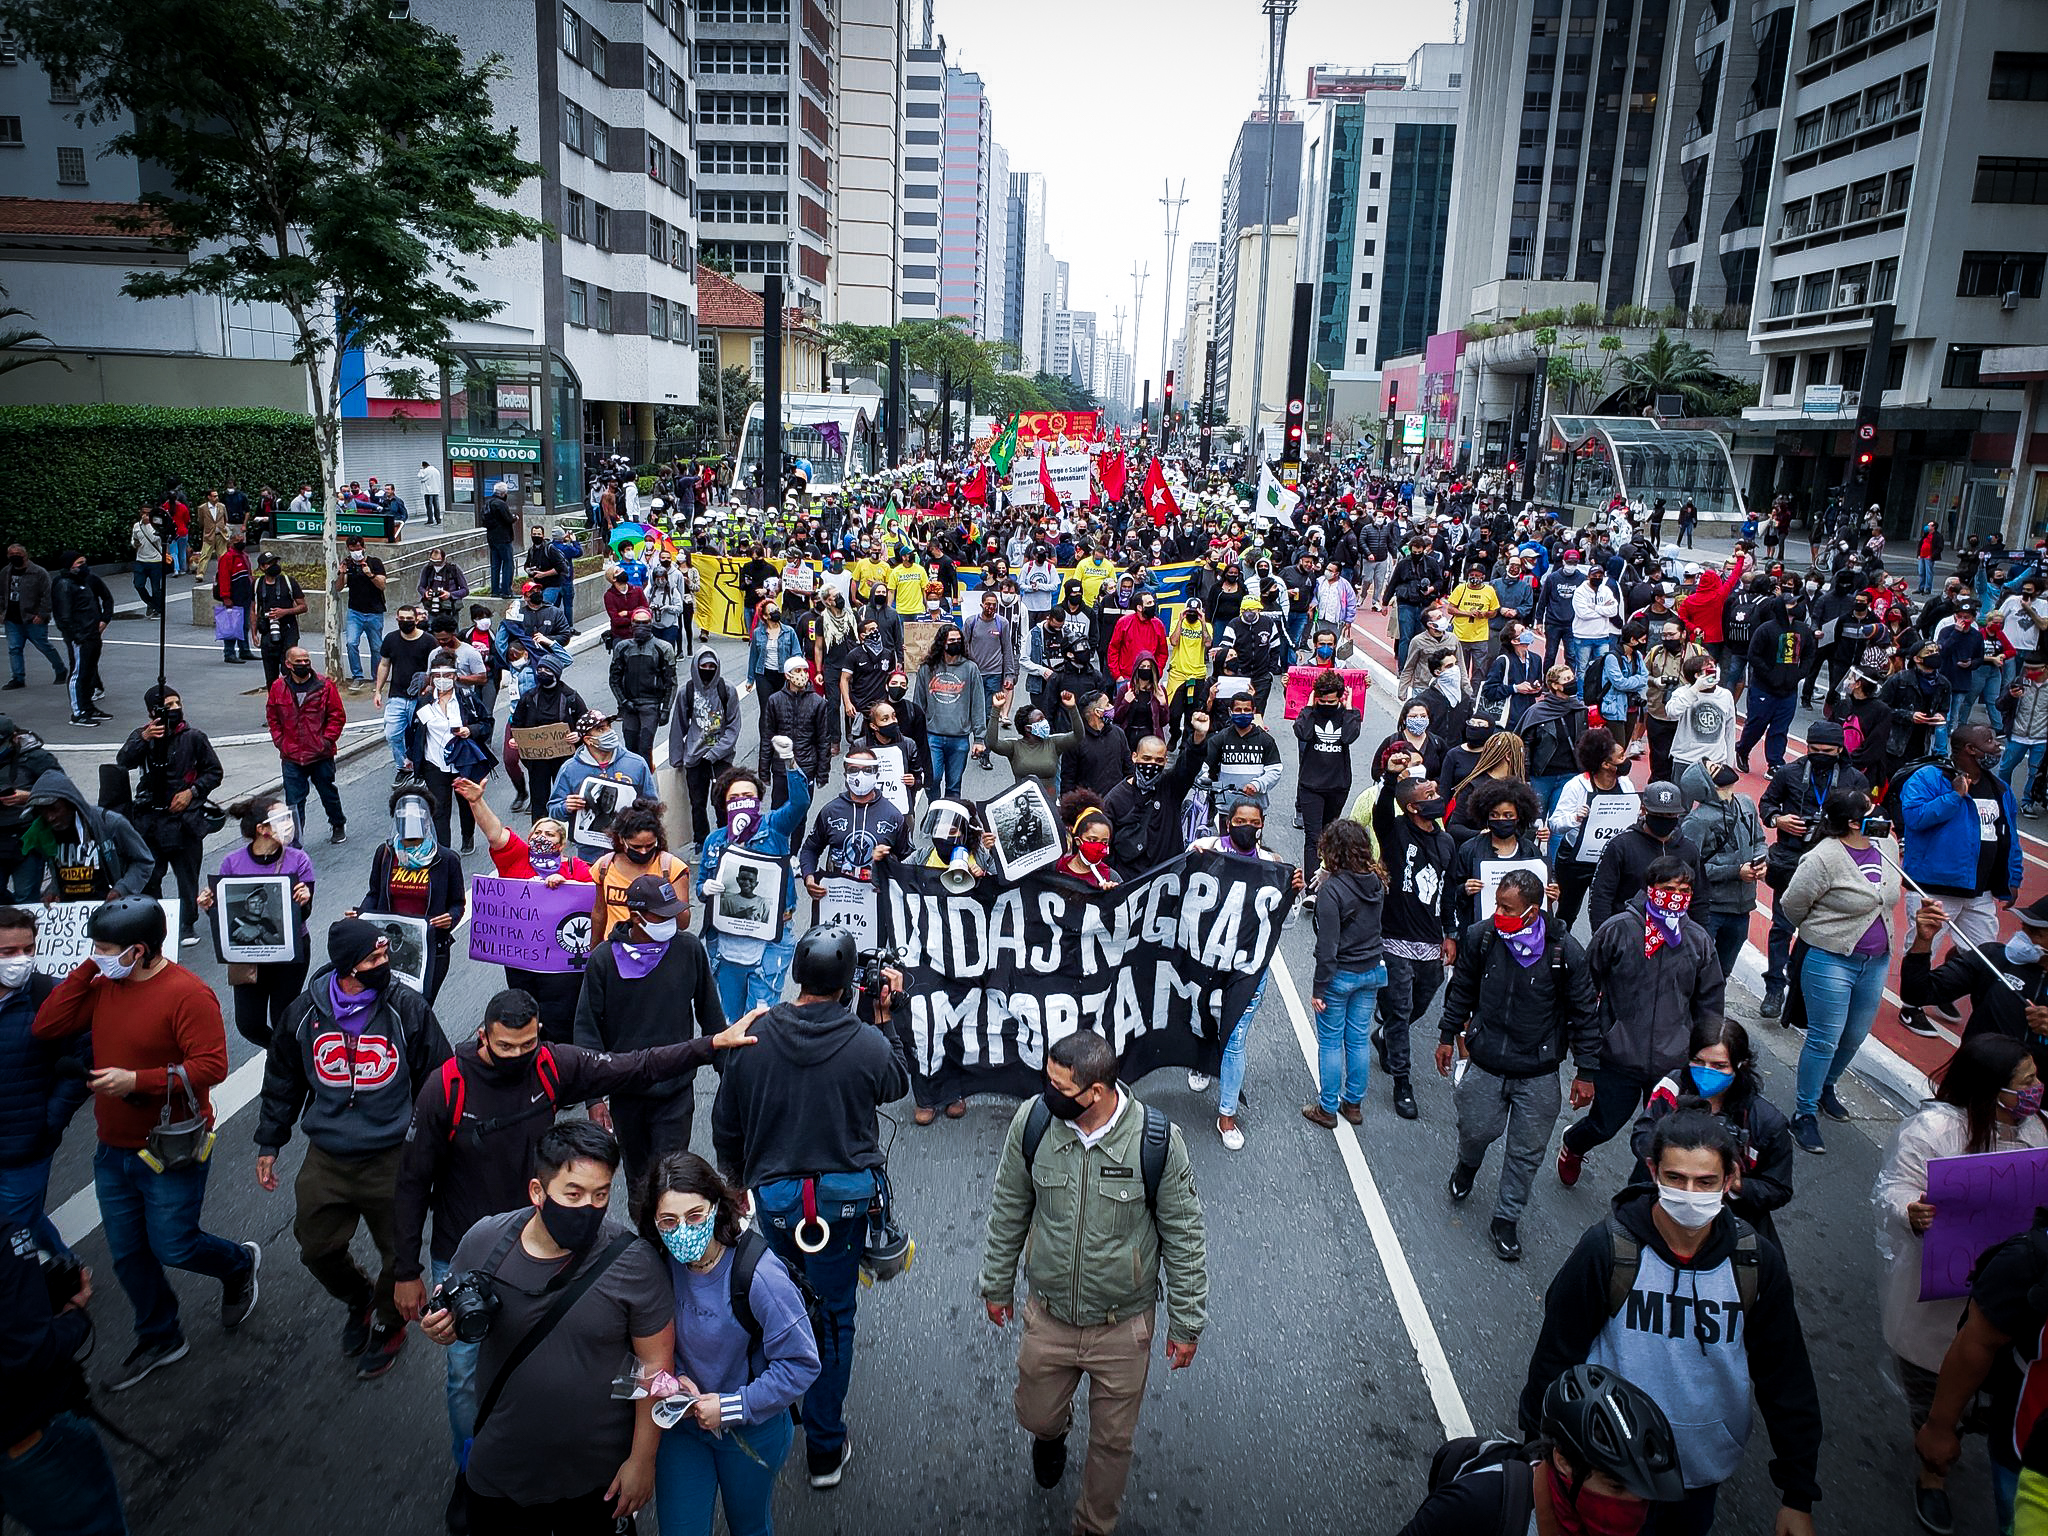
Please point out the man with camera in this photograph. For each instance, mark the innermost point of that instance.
(362, 578)
(470, 1147)
(352, 1052)
(179, 771)
(554, 1295)
(797, 1122)
(1791, 807)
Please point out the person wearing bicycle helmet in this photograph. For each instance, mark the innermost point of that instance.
(1605, 1457)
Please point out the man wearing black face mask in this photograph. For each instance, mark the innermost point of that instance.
(1144, 810)
(703, 734)
(1093, 1263)
(1791, 807)
(353, 1051)
(1241, 763)
(83, 608)
(177, 773)
(1619, 876)
(643, 678)
(279, 602)
(1417, 853)
(470, 1148)
(551, 702)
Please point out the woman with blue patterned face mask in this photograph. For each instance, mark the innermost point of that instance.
(724, 1411)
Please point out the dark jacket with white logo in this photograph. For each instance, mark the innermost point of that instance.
(354, 1094)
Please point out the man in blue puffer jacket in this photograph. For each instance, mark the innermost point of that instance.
(1962, 835)
(38, 1096)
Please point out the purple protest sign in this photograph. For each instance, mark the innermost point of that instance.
(528, 924)
(1978, 1202)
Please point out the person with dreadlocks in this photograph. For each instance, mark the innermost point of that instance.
(1502, 757)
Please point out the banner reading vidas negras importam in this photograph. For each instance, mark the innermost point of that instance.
(1162, 966)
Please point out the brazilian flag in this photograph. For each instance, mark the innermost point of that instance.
(1005, 448)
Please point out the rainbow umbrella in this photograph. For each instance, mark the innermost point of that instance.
(630, 533)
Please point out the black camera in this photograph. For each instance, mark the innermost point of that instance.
(868, 974)
(471, 1302)
(63, 1278)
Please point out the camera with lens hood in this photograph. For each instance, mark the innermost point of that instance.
(471, 1302)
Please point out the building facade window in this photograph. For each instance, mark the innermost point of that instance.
(749, 256)
(743, 109)
(572, 33)
(572, 126)
(2010, 179)
(600, 143)
(743, 207)
(742, 58)
(742, 159)
(743, 13)
(681, 322)
(707, 351)
(657, 158)
(2019, 77)
(579, 304)
(600, 57)
(575, 216)
(1993, 274)
(10, 132)
(601, 308)
(601, 226)
(71, 166)
(657, 319)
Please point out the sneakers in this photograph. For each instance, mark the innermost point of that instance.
(1227, 1128)
(1198, 1081)
(1913, 1021)
(827, 1467)
(1831, 1104)
(1404, 1099)
(1507, 1243)
(1774, 1001)
(187, 938)
(2032, 810)
(92, 720)
(10, 686)
(238, 1297)
(381, 1353)
(355, 1333)
(1048, 1460)
(1569, 1165)
(143, 1359)
(339, 837)
(1946, 1014)
(1806, 1131)
(1461, 1181)
(1316, 1115)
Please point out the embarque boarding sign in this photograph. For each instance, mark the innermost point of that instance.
(1163, 966)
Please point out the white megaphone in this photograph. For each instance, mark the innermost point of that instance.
(958, 875)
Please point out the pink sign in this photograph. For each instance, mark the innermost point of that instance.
(1301, 680)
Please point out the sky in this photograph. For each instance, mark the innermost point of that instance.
(1110, 99)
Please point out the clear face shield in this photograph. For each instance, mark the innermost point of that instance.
(412, 822)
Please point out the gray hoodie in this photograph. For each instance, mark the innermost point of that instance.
(951, 696)
(1728, 835)
(104, 837)
(705, 727)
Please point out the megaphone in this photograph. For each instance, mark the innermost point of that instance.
(958, 875)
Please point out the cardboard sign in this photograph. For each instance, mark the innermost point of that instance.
(1979, 1202)
(1607, 817)
(543, 743)
(63, 942)
(1301, 684)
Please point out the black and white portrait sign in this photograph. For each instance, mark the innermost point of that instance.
(603, 799)
(1027, 837)
(749, 903)
(252, 920)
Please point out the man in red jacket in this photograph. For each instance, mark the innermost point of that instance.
(1703, 607)
(305, 715)
(1136, 634)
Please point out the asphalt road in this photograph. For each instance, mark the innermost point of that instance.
(1313, 1406)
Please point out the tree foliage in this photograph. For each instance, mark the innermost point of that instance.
(1672, 367)
(16, 350)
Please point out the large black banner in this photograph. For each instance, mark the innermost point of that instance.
(1163, 967)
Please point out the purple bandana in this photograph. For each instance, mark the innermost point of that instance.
(636, 960)
(351, 1012)
(1526, 946)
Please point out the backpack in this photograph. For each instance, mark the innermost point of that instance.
(746, 1258)
(455, 1092)
(1736, 627)
(1474, 1456)
(1628, 1263)
(1151, 1150)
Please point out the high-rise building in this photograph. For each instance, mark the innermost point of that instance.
(1198, 323)
(1083, 362)
(1903, 178)
(995, 223)
(1027, 307)
(964, 201)
(868, 160)
(765, 130)
(1376, 199)
(924, 143)
(1557, 149)
(1244, 207)
(1237, 328)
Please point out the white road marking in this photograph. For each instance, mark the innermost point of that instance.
(1429, 1349)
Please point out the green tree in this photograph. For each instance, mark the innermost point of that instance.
(325, 156)
(1668, 367)
(15, 340)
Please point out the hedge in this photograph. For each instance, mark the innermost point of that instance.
(71, 476)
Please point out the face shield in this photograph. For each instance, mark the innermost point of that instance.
(412, 822)
(947, 824)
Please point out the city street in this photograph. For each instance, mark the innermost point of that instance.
(1357, 1316)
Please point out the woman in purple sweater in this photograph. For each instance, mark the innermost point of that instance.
(262, 992)
(728, 1426)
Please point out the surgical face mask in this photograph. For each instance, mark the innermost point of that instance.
(862, 781)
(1692, 1209)
(281, 826)
(687, 1243)
(1039, 730)
(113, 967)
(444, 685)
(658, 932)
(1242, 719)
(2021, 949)
(608, 740)
(15, 970)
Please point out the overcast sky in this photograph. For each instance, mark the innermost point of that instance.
(1109, 98)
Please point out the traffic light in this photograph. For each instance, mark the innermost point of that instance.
(1863, 459)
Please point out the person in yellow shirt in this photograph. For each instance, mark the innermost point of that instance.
(1187, 668)
(866, 571)
(1093, 570)
(906, 584)
(1472, 603)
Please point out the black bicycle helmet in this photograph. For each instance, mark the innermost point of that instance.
(127, 920)
(824, 962)
(1610, 1425)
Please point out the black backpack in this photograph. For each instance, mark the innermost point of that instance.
(1152, 1146)
(1474, 1456)
(1740, 617)
(746, 1258)
(1628, 1263)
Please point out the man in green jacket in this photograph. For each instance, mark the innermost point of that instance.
(1094, 1248)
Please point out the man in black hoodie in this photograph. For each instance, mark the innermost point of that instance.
(22, 761)
(1144, 810)
(1680, 1296)
(797, 1122)
(353, 1051)
(1417, 854)
(648, 985)
(1325, 733)
(1778, 653)
(1101, 757)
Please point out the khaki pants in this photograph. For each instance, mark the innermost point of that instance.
(1115, 1358)
(211, 548)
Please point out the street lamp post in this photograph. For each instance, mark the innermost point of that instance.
(1277, 12)
(1172, 205)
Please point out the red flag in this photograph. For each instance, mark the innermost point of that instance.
(1115, 471)
(1158, 499)
(1052, 497)
(976, 489)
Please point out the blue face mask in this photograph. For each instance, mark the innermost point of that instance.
(1038, 729)
(1709, 1082)
(687, 1243)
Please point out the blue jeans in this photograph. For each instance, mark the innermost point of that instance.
(1409, 619)
(949, 763)
(1982, 684)
(501, 570)
(1729, 931)
(397, 721)
(148, 576)
(694, 1470)
(24, 1194)
(19, 637)
(1585, 653)
(834, 1276)
(2017, 752)
(370, 628)
(179, 546)
(1344, 1036)
(301, 777)
(1926, 574)
(1768, 720)
(461, 1384)
(1231, 1080)
(1842, 993)
(1297, 626)
(152, 1220)
(64, 1484)
(741, 987)
(1547, 787)
(1734, 668)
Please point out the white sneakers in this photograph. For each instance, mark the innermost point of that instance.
(1233, 1138)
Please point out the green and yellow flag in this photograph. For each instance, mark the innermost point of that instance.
(1005, 448)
